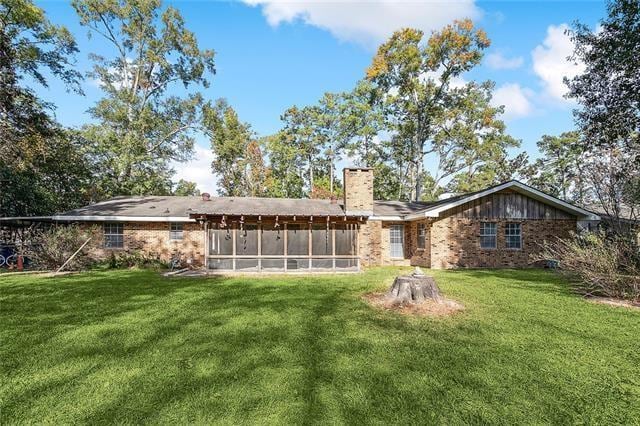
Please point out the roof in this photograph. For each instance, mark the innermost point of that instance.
(179, 208)
(441, 206)
(384, 208)
(254, 206)
(626, 214)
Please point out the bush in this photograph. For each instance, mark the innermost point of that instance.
(599, 264)
(51, 248)
(134, 259)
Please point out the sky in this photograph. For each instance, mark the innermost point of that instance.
(272, 54)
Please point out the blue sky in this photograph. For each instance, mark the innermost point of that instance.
(274, 54)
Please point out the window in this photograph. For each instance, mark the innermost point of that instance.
(422, 235)
(488, 235)
(175, 232)
(396, 240)
(113, 235)
(513, 236)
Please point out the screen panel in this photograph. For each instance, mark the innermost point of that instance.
(346, 239)
(247, 240)
(272, 240)
(297, 239)
(221, 241)
(321, 240)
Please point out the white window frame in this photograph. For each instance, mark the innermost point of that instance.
(421, 235)
(176, 234)
(509, 234)
(400, 229)
(107, 231)
(484, 234)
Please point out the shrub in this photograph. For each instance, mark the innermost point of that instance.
(599, 264)
(134, 259)
(51, 248)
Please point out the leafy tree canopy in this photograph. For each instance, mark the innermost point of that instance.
(142, 124)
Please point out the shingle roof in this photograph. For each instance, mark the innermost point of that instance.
(398, 208)
(175, 206)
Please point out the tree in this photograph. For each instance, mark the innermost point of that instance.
(608, 93)
(257, 175)
(333, 134)
(185, 188)
(560, 169)
(287, 166)
(303, 131)
(431, 111)
(238, 159)
(499, 169)
(142, 125)
(42, 169)
(363, 120)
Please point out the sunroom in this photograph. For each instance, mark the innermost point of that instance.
(281, 244)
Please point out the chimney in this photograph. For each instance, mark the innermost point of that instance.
(206, 196)
(333, 199)
(358, 191)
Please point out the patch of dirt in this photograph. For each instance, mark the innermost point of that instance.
(426, 309)
(615, 302)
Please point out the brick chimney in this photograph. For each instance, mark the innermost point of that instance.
(358, 190)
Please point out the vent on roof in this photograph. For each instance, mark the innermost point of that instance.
(446, 195)
(206, 196)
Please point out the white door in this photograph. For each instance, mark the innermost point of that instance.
(396, 241)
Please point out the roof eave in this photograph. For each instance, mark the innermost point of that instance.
(115, 218)
(580, 213)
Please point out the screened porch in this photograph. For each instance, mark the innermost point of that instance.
(282, 246)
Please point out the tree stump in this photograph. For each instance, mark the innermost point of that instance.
(414, 289)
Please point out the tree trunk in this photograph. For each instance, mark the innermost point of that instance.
(418, 177)
(414, 289)
(331, 173)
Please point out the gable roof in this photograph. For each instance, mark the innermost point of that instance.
(436, 209)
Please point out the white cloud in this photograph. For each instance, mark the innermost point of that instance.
(550, 61)
(498, 61)
(366, 22)
(516, 100)
(198, 170)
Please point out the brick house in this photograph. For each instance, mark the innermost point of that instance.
(501, 226)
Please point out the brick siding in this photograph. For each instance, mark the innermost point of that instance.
(152, 238)
(358, 190)
(455, 242)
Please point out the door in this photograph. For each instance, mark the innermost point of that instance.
(396, 241)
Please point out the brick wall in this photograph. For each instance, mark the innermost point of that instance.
(358, 190)
(369, 244)
(152, 238)
(419, 256)
(455, 242)
(374, 242)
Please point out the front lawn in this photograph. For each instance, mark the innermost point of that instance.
(131, 346)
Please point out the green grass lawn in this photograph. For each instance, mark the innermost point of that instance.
(131, 346)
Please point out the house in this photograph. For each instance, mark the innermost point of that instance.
(500, 226)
